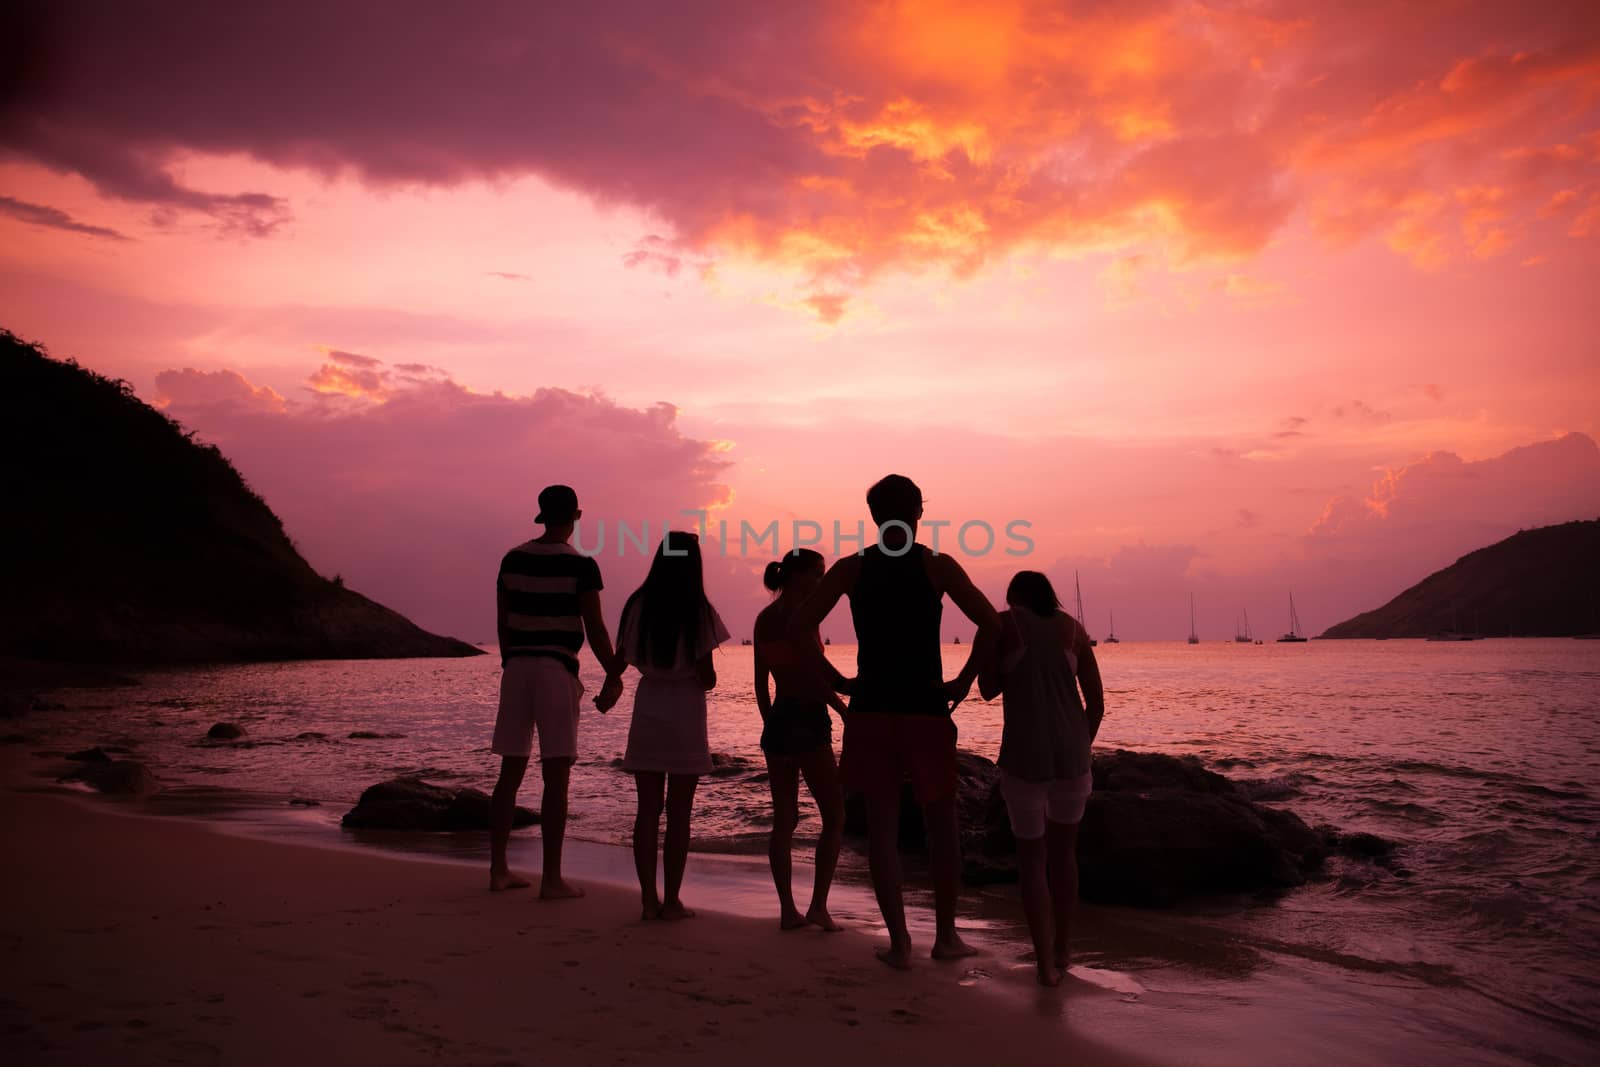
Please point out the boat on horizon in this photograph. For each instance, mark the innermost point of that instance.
(1242, 634)
(1194, 638)
(1294, 636)
(1455, 633)
(1111, 634)
(1079, 590)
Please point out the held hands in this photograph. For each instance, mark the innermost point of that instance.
(609, 694)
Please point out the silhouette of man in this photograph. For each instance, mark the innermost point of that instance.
(547, 598)
(899, 723)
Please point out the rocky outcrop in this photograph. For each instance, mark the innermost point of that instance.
(412, 804)
(1158, 829)
(191, 566)
(1536, 583)
(225, 731)
(122, 777)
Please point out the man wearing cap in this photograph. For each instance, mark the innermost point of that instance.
(547, 598)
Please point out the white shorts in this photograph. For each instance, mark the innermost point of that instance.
(537, 692)
(1029, 804)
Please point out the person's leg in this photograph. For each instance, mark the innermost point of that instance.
(1063, 862)
(929, 745)
(553, 829)
(822, 778)
(646, 832)
(944, 857)
(783, 775)
(1031, 865)
(883, 863)
(680, 803)
(502, 812)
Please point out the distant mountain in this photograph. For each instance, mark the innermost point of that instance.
(1537, 583)
(126, 541)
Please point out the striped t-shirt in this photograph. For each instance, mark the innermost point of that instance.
(541, 582)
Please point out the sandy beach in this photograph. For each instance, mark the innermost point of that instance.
(142, 940)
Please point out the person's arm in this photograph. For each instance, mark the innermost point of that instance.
(706, 672)
(806, 619)
(502, 625)
(594, 628)
(1094, 693)
(763, 682)
(953, 580)
(991, 676)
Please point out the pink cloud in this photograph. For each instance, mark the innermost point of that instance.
(215, 393)
(353, 359)
(1422, 516)
(54, 219)
(414, 496)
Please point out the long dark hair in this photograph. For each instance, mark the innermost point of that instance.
(671, 603)
(1033, 591)
(779, 571)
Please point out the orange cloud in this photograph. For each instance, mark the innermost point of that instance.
(844, 139)
(333, 379)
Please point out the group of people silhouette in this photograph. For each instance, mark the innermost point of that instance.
(898, 725)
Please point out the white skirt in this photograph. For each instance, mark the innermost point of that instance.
(668, 731)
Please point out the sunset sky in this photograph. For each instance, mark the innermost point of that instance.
(1225, 299)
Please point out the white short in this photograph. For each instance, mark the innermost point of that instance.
(1029, 804)
(537, 692)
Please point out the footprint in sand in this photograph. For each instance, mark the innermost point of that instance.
(974, 976)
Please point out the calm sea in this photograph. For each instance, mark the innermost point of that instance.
(1481, 759)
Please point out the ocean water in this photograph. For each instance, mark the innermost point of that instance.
(1481, 759)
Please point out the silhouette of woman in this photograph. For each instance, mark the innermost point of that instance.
(668, 632)
(1045, 774)
(797, 735)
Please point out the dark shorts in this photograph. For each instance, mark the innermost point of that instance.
(795, 727)
(883, 748)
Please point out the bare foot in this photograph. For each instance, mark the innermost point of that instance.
(558, 889)
(951, 947)
(674, 910)
(820, 917)
(650, 911)
(1062, 960)
(898, 958)
(499, 880)
(1049, 976)
(791, 920)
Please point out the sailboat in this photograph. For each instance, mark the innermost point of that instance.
(1079, 589)
(1294, 636)
(1111, 634)
(1242, 635)
(1194, 638)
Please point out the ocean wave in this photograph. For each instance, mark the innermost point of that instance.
(1277, 787)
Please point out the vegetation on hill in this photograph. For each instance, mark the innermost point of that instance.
(1537, 583)
(125, 540)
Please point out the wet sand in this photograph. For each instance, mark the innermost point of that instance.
(140, 940)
